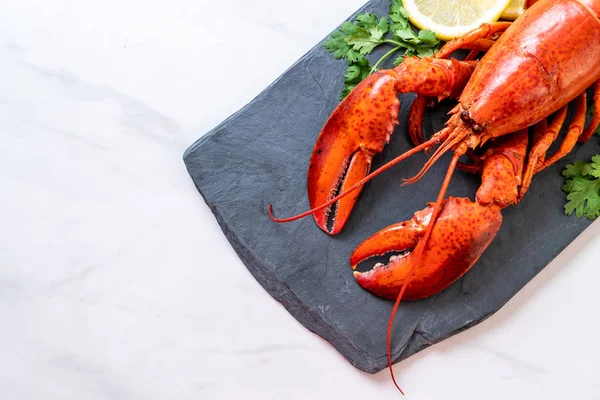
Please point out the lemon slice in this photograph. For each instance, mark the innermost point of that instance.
(514, 10)
(453, 18)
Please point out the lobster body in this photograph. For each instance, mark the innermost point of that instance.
(535, 67)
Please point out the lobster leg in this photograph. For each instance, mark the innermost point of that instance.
(539, 130)
(415, 120)
(415, 117)
(361, 126)
(474, 43)
(595, 119)
(573, 133)
(479, 45)
(484, 31)
(540, 147)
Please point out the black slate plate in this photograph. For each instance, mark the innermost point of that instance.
(260, 155)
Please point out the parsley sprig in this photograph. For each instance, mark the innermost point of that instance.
(583, 188)
(358, 38)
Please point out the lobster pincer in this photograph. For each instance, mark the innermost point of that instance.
(362, 124)
(461, 232)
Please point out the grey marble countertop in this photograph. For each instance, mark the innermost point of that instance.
(116, 281)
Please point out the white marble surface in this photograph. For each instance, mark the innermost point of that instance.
(115, 280)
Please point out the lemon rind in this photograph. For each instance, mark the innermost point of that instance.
(514, 10)
(444, 32)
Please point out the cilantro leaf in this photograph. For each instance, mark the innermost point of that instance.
(354, 56)
(398, 60)
(425, 52)
(337, 45)
(369, 34)
(428, 37)
(406, 34)
(383, 25)
(363, 42)
(397, 12)
(357, 71)
(573, 170)
(585, 199)
(595, 170)
(366, 20)
(348, 28)
(583, 187)
(360, 37)
(423, 44)
(586, 169)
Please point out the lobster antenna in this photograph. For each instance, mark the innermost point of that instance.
(447, 145)
(418, 252)
(435, 139)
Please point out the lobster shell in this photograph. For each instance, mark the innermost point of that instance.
(534, 68)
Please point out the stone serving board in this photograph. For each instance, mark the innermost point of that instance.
(260, 155)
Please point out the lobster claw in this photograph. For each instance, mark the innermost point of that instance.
(358, 129)
(462, 232)
(362, 124)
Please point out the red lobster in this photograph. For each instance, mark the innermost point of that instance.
(532, 69)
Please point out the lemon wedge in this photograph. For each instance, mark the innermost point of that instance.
(453, 18)
(514, 10)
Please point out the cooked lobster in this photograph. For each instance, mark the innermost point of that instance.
(530, 72)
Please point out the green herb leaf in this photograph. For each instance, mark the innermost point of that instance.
(425, 52)
(595, 170)
(583, 187)
(357, 71)
(363, 41)
(584, 199)
(398, 60)
(337, 45)
(354, 56)
(397, 12)
(407, 35)
(369, 34)
(348, 28)
(573, 170)
(358, 38)
(383, 25)
(366, 20)
(428, 37)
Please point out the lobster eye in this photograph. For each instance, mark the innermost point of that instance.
(477, 128)
(464, 115)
